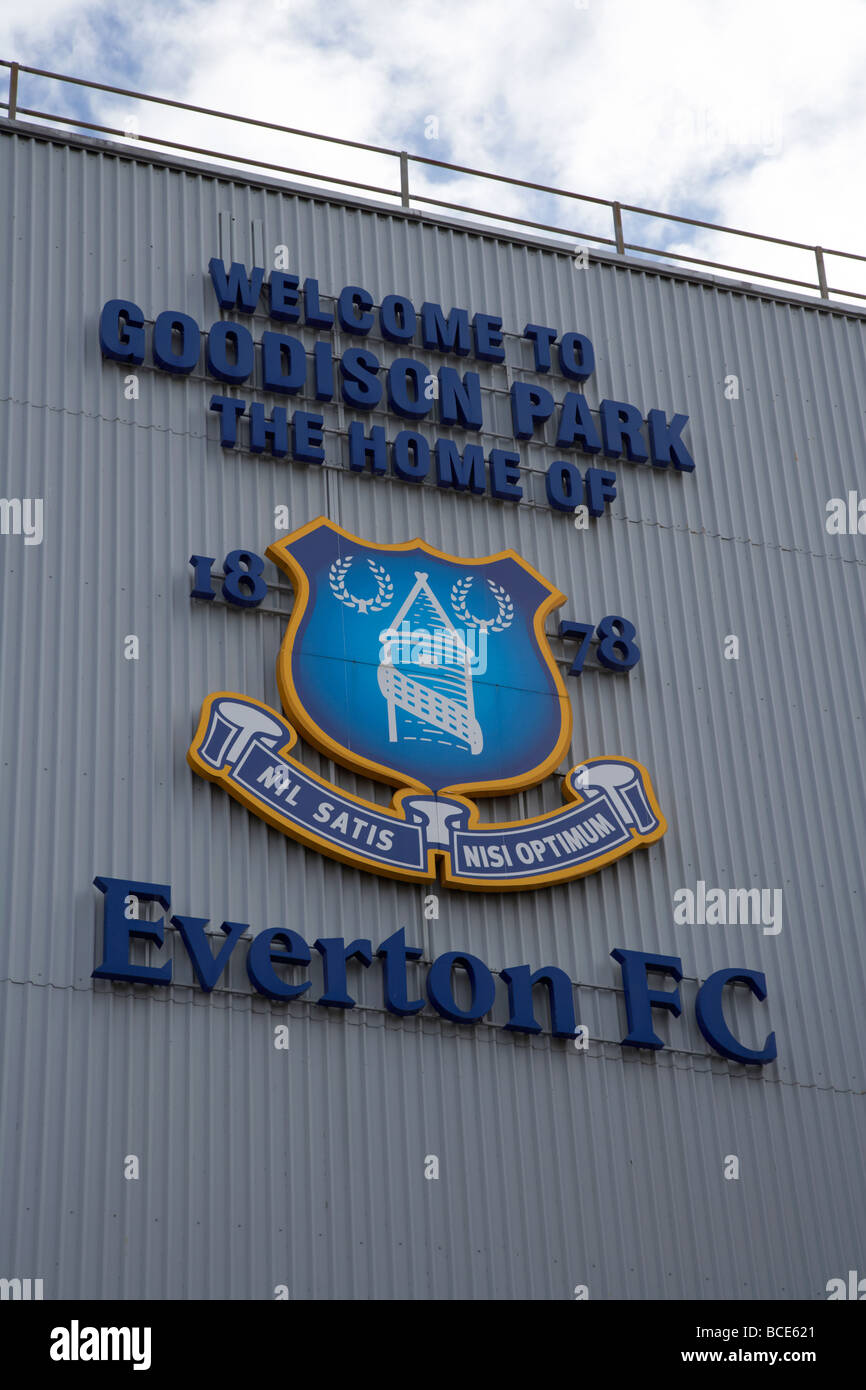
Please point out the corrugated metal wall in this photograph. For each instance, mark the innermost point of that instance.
(306, 1168)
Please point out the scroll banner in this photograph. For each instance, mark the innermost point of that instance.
(610, 809)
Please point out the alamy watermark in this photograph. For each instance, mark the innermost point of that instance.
(846, 516)
(853, 1288)
(77, 1343)
(720, 907)
(22, 516)
(735, 129)
(461, 647)
(20, 1289)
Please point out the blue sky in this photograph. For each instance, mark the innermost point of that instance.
(720, 112)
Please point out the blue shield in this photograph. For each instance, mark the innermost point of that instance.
(418, 667)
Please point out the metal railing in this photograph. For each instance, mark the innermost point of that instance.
(406, 197)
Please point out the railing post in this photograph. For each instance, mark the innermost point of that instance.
(617, 229)
(404, 178)
(822, 272)
(13, 92)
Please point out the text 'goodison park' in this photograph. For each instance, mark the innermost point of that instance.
(280, 364)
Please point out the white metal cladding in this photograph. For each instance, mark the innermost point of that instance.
(305, 1168)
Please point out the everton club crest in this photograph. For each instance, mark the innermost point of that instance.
(434, 674)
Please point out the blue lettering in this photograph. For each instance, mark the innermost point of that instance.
(620, 430)
(121, 331)
(711, 1019)
(168, 324)
(397, 318)
(460, 398)
(529, 405)
(666, 445)
(207, 967)
(640, 1000)
(360, 387)
(284, 363)
(411, 406)
(521, 982)
(351, 310)
(118, 930)
(230, 352)
(262, 956)
(440, 990)
(236, 290)
(446, 334)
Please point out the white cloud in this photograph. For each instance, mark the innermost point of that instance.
(748, 114)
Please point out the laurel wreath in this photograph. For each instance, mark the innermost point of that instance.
(384, 587)
(505, 608)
